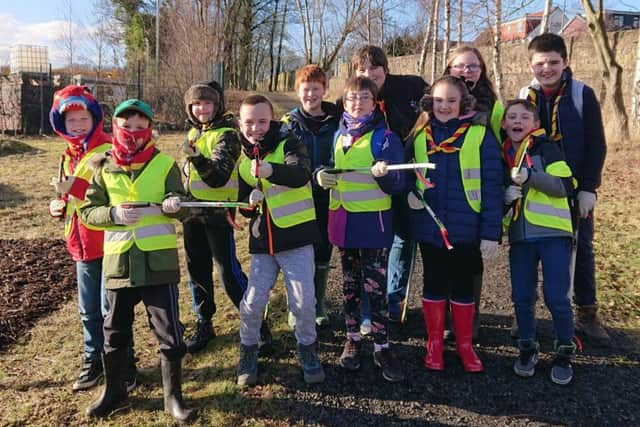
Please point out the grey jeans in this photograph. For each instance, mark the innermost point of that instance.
(298, 268)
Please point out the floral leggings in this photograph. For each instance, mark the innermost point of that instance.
(365, 270)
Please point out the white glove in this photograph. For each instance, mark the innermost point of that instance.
(326, 180)
(264, 169)
(64, 186)
(56, 208)
(586, 202)
(171, 204)
(488, 248)
(190, 150)
(126, 216)
(519, 176)
(414, 203)
(256, 197)
(513, 193)
(379, 169)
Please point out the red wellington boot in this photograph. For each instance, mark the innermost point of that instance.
(463, 327)
(433, 312)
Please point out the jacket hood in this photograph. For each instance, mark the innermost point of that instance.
(75, 97)
(276, 133)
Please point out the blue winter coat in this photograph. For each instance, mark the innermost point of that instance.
(447, 198)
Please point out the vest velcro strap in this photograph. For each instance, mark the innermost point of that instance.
(292, 208)
(358, 177)
(471, 173)
(201, 185)
(117, 236)
(155, 230)
(474, 194)
(360, 196)
(544, 209)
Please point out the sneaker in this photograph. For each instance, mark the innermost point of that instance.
(204, 333)
(265, 342)
(350, 357)
(311, 367)
(588, 323)
(365, 327)
(248, 365)
(391, 369)
(562, 371)
(525, 366)
(89, 375)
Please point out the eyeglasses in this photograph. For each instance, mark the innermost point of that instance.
(361, 98)
(463, 67)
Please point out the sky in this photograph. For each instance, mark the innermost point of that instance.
(41, 22)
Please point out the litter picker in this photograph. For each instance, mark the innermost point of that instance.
(400, 166)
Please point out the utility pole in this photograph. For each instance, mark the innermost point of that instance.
(157, 39)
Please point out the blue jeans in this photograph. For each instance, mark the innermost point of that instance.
(401, 259)
(584, 284)
(92, 305)
(555, 254)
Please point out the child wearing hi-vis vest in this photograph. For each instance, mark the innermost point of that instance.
(360, 218)
(132, 195)
(275, 177)
(212, 149)
(540, 231)
(456, 212)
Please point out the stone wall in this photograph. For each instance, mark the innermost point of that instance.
(582, 59)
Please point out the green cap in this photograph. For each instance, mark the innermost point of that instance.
(136, 105)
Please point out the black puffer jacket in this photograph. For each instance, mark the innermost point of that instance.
(295, 172)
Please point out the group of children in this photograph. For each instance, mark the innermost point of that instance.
(326, 176)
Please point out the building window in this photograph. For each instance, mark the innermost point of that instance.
(618, 21)
(636, 22)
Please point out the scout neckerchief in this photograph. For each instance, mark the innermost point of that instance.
(444, 146)
(513, 160)
(533, 97)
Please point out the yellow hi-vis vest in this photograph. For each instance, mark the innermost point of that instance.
(84, 171)
(287, 206)
(357, 191)
(495, 120)
(154, 231)
(469, 156)
(548, 211)
(197, 187)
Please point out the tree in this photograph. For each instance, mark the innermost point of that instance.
(434, 41)
(427, 38)
(611, 70)
(460, 16)
(544, 25)
(497, 60)
(635, 110)
(447, 32)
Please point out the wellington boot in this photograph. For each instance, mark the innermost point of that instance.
(172, 388)
(434, 312)
(462, 315)
(115, 388)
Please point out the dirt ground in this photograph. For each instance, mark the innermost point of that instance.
(36, 277)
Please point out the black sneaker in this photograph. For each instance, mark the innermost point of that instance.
(562, 371)
(525, 366)
(350, 357)
(391, 369)
(204, 333)
(89, 375)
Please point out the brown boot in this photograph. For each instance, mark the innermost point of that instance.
(588, 323)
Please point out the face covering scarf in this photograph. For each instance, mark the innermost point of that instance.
(131, 149)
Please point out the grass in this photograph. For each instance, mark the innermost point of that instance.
(36, 373)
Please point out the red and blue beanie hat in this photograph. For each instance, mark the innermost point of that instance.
(72, 98)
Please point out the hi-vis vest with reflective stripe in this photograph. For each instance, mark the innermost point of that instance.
(155, 231)
(82, 170)
(495, 119)
(197, 187)
(548, 211)
(287, 206)
(357, 191)
(469, 156)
